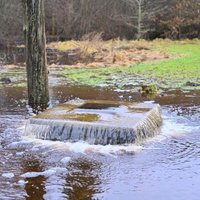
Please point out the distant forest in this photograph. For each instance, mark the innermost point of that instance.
(124, 19)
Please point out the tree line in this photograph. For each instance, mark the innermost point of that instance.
(130, 19)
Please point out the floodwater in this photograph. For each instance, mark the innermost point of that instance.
(164, 167)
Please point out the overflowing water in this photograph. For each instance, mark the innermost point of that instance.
(164, 167)
(121, 123)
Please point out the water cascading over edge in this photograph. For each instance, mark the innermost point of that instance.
(119, 123)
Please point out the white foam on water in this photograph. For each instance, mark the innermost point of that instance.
(55, 187)
(21, 128)
(53, 194)
(65, 160)
(55, 183)
(8, 175)
(47, 173)
(19, 153)
(169, 129)
(22, 182)
(150, 102)
(172, 129)
(84, 147)
(19, 144)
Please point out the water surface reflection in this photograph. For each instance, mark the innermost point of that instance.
(34, 187)
(166, 167)
(83, 179)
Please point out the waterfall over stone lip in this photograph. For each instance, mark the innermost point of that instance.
(97, 122)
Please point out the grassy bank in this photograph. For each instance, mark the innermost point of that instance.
(181, 70)
(164, 63)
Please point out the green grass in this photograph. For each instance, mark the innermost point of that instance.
(170, 73)
(17, 76)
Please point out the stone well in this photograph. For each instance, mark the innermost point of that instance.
(97, 122)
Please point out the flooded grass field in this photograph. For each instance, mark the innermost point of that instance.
(165, 167)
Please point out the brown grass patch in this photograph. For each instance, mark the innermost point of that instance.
(94, 52)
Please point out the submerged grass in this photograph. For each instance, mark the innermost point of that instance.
(181, 71)
(16, 75)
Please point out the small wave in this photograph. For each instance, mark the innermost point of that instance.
(85, 148)
(173, 129)
(8, 175)
(47, 173)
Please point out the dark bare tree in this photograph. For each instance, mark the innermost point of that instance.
(131, 19)
(182, 19)
(10, 21)
(37, 74)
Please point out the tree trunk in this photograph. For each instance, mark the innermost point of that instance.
(139, 19)
(36, 62)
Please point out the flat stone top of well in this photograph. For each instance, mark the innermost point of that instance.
(107, 113)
